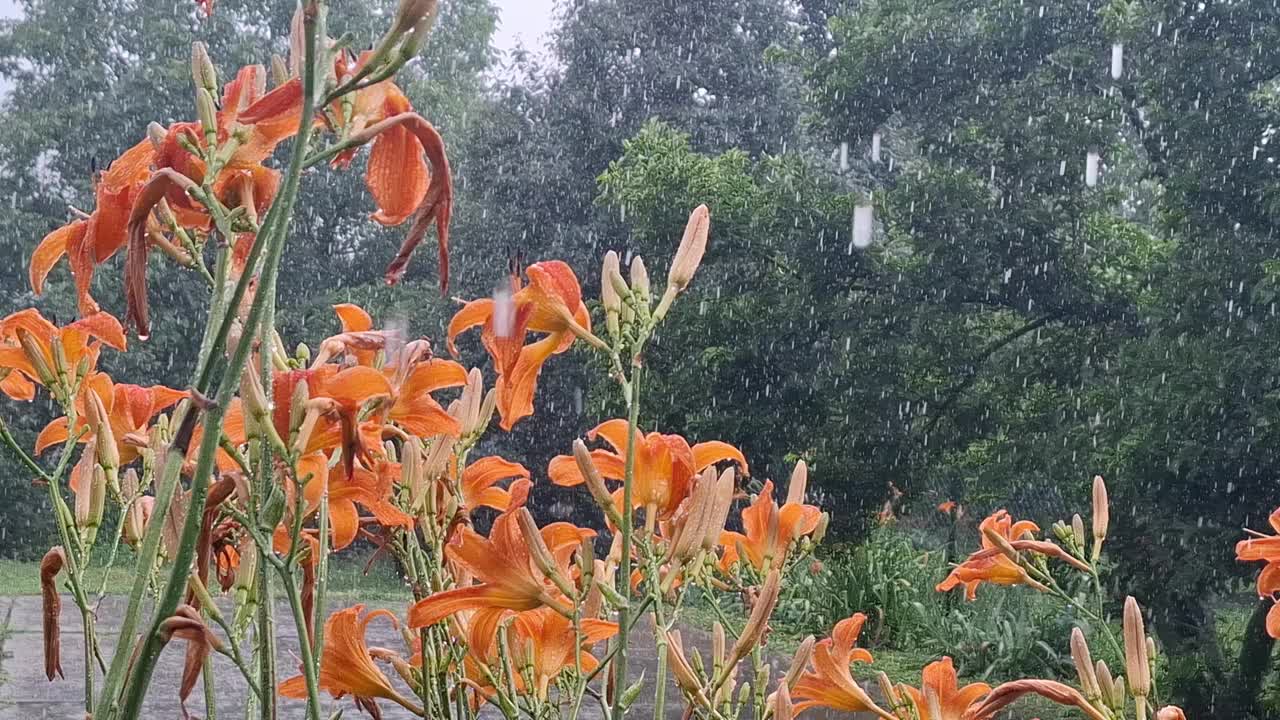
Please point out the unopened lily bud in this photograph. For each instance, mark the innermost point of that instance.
(758, 622)
(799, 482)
(1077, 530)
(279, 70)
(684, 673)
(1101, 515)
(1084, 665)
(609, 296)
(692, 247)
(820, 532)
(206, 110)
(32, 348)
(246, 573)
(1118, 696)
(540, 553)
(487, 407)
(718, 645)
(594, 482)
(1171, 712)
(97, 500)
(782, 707)
(799, 661)
(1136, 663)
(1106, 685)
(203, 73)
(887, 689)
(718, 514)
(156, 134)
(640, 281)
(613, 278)
(1001, 543)
(298, 406)
(107, 450)
(411, 12)
(417, 37)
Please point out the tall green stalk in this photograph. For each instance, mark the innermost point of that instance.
(624, 563)
(277, 223)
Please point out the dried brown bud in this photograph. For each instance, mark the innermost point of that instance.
(51, 606)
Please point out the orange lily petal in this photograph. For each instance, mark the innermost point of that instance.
(397, 175)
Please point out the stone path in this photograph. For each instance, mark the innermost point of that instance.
(26, 695)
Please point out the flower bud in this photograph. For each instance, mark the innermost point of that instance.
(32, 348)
(799, 482)
(1077, 530)
(1084, 665)
(203, 73)
(156, 134)
(595, 483)
(640, 281)
(410, 13)
(206, 111)
(718, 515)
(820, 532)
(1136, 663)
(799, 661)
(692, 247)
(1106, 685)
(540, 553)
(279, 70)
(758, 622)
(782, 707)
(1171, 712)
(108, 451)
(1101, 515)
(487, 408)
(609, 296)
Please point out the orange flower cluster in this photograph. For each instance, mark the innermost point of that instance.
(177, 183)
(1266, 549)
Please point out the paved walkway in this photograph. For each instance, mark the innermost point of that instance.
(26, 695)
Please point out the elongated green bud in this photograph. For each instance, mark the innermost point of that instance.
(206, 111)
(203, 73)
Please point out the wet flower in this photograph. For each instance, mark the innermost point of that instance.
(504, 568)
(1266, 548)
(543, 639)
(479, 484)
(51, 606)
(665, 465)
(992, 563)
(828, 682)
(939, 696)
(346, 667)
(768, 531)
(37, 352)
(129, 411)
(551, 304)
(1008, 693)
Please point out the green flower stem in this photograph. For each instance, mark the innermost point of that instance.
(624, 563)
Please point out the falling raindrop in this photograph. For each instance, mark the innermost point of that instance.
(862, 225)
(875, 147)
(1091, 168)
(1117, 60)
(504, 315)
(844, 156)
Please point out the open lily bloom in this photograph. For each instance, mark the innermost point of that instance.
(86, 243)
(828, 682)
(1266, 548)
(793, 520)
(480, 488)
(551, 303)
(665, 465)
(990, 564)
(939, 696)
(346, 666)
(504, 568)
(544, 640)
(130, 409)
(35, 361)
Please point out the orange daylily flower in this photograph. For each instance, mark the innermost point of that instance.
(1266, 548)
(414, 409)
(346, 667)
(351, 389)
(828, 682)
(130, 409)
(372, 490)
(479, 484)
(544, 640)
(504, 567)
(990, 564)
(947, 507)
(81, 340)
(88, 243)
(793, 520)
(665, 465)
(938, 684)
(548, 304)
